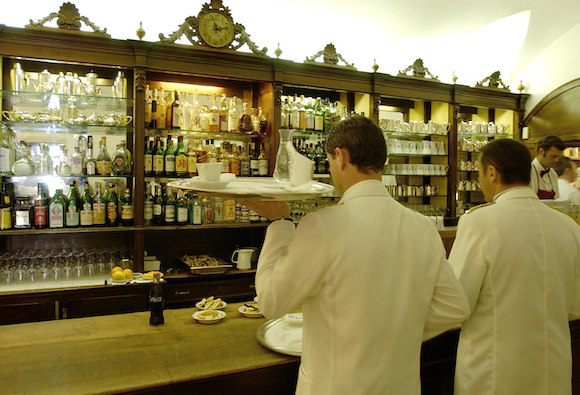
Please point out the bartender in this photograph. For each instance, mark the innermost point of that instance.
(543, 178)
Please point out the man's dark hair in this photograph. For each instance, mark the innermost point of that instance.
(563, 164)
(551, 141)
(364, 141)
(511, 158)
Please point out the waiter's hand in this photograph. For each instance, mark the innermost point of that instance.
(270, 210)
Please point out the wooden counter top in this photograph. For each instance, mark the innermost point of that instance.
(123, 353)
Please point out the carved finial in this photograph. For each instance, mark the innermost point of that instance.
(278, 52)
(375, 66)
(493, 81)
(454, 78)
(140, 32)
(520, 87)
(69, 18)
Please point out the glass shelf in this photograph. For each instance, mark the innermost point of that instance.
(415, 175)
(417, 196)
(306, 133)
(204, 134)
(392, 133)
(470, 134)
(43, 177)
(394, 155)
(80, 101)
(46, 127)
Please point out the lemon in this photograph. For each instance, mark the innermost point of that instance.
(116, 269)
(119, 275)
(128, 273)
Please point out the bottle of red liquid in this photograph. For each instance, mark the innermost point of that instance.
(156, 302)
(41, 208)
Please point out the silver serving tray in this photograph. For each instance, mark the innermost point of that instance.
(283, 338)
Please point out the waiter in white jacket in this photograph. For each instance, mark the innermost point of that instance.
(519, 263)
(543, 177)
(371, 276)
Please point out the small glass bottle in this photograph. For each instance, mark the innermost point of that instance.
(180, 159)
(169, 208)
(63, 168)
(57, 210)
(263, 162)
(158, 207)
(24, 166)
(191, 159)
(169, 158)
(45, 167)
(76, 163)
(156, 302)
(112, 212)
(233, 116)
(181, 209)
(73, 209)
(22, 213)
(148, 206)
(245, 125)
(195, 211)
(86, 215)
(127, 208)
(41, 207)
(90, 163)
(207, 210)
(264, 121)
(204, 121)
(121, 162)
(104, 160)
(99, 208)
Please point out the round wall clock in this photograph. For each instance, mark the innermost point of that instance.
(216, 29)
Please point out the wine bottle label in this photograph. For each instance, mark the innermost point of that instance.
(22, 218)
(318, 122)
(40, 215)
(169, 163)
(148, 211)
(111, 211)
(87, 216)
(223, 123)
(56, 215)
(245, 168)
(5, 166)
(148, 163)
(219, 211)
(214, 119)
(99, 213)
(230, 210)
(127, 212)
(181, 163)
(104, 167)
(263, 167)
(196, 217)
(191, 166)
(72, 217)
(91, 169)
(182, 214)
(5, 218)
(170, 213)
(158, 163)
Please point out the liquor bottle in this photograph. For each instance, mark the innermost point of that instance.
(158, 207)
(45, 167)
(344, 114)
(22, 219)
(161, 111)
(99, 207)
(328, 115)
(76, 163)
(181, 209)
(185, 112)
(295, 113)
(148, 105)
(254, 163)
(90, 163)
(214, 115)
(148, 206)
(245, 120)
(122, 163)
(235, 161)
(245, 170)
(148, 158)
(169, 208)
(201, 153)
(41, 207)
(195, 113)
(127, 208)
(224, 127)
(191, 159)
(302, 113)
(233, 116)
(6, 153)
(255, 122)
(218, 210)
(262, 120)
(63, 168)
(212, 154)
(207, 210)
(158, 158)
(73, 207)
(224, 157)
(195, 211)
(169, 110)
(56, 208)
(318, 116)
(86, 206)
(176, 112)
(153, 124)
(263, 162)
(156, 302)
(230, 210)
(112, 218)
(6, 206)
(180, 159)
(283, 115)
(169, 158)
(104, 160)
(204, 118)
(288, 110)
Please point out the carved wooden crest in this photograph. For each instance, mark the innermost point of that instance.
(418, 70)
(69, 19)
(493, 81)
(329, 57)
(214, 27)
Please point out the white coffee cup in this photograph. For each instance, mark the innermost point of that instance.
(210, 171)
(244, 258)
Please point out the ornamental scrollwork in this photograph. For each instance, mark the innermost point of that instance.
(329, 57)
(493, 81)
(69, 19)
(418, 71)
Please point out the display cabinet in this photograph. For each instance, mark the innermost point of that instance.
(421, 120)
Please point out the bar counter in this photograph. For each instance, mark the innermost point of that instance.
(124, 354)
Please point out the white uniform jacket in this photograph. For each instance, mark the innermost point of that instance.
(369, 273)
(568, 192)
(519, 263)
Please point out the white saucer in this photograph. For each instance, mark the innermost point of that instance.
(196, 182)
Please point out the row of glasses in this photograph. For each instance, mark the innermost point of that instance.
(299, 208)
(55, 265)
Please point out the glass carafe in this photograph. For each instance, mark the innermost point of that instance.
(281, 171)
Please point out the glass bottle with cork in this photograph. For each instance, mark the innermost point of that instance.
(86, 215)
(41, 207)
(57, 210)
(112, 212)
(73, 209)
(103, 159)
(90, 163)
(99, 207)
(127, 208)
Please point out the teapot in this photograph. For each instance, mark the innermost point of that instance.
(91, 87)
(94, 119)
(43, 116)
(14, 116)
(111, 119)
(44, 84)
(80, 119)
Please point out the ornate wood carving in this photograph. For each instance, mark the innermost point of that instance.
(376, 103)
(189, 29)
(278, 91)
(493, 81)
(69, 19)
(329, 57)
(140, 80)
(418, 71)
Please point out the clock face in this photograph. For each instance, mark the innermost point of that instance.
(216, 29)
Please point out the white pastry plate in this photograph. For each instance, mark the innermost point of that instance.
(257, 189)
(281, 336)
(220, 307)
(199, 316)
(197, 182)
(250, 314)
